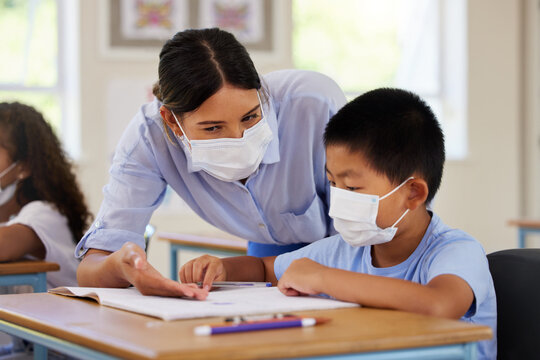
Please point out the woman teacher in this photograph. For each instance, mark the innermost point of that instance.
(244, 152)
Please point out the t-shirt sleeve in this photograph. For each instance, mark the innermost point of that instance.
(466, 259)
(323, 251)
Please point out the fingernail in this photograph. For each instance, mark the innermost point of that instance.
(206, 287)
(137, 262)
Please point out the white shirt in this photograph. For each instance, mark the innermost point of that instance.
(52, 229)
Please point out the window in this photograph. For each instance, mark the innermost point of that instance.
(37, 57)
(419, 45)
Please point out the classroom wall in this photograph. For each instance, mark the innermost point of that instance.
(477, 195)
(481, 193)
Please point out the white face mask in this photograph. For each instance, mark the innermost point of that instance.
(8, 192)
(229, 159)
(355, 217)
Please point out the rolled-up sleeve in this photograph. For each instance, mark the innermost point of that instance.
(135, 189)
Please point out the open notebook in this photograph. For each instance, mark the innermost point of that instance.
(222, 302)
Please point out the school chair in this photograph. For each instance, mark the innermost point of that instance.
(516, 274)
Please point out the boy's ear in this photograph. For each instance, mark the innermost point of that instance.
(419, 191)
(169, 119)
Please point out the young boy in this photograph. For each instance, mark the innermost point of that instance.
(385, 156)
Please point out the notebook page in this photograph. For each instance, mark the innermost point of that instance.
(222, 302)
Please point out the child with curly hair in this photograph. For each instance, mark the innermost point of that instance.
(42, 210)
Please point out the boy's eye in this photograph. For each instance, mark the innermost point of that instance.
(250, 117)
(212, 129)
(352, 188)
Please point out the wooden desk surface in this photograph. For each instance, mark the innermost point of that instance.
(226, 243)
(124, 334)
(529, 223)
(27, 267)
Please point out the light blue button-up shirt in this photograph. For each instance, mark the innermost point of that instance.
(284, 202)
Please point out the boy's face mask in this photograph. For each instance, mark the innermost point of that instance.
(355, 217)
(7, 192)
(230, 159)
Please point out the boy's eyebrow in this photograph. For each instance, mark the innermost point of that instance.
(325, 168)
(214, 122)
(342, 174)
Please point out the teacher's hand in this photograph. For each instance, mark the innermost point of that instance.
(206, 269)
(132, 263)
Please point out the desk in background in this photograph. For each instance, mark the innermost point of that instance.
(26, 272)
(525, 227)
(207, 245)
(86, 330)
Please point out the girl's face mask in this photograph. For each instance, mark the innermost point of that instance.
(7, 192)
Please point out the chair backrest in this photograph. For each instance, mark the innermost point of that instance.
(516, 276)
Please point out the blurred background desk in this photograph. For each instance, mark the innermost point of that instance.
(26, 272)
(525, 227)
(206, 245)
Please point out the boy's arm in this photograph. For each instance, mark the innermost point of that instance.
(239, 268)
(444, 296)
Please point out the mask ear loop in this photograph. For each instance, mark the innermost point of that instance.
(393, 191)
(400, 218)
(396, 189)
(188, 145)
(7, 170)
(261, 106)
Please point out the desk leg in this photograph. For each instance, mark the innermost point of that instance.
(174, 262)
(41, 283)
(521, 240)
(470, 351)
(40, 352)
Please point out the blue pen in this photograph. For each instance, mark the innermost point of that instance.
(234, 284)
(257, 325)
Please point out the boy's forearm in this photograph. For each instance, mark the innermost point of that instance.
(389, 293)
(99, 269)
(250, 268)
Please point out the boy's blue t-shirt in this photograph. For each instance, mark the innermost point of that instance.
(442, 251)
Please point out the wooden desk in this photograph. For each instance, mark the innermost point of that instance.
(209, 245)
(525, 227)
(26, 272)
(86, 330)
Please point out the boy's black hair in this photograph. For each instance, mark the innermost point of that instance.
(396, 131)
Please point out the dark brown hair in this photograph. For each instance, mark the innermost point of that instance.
(30, 140)
(196, 63)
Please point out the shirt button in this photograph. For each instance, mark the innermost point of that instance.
(97, 224)
(262, 226)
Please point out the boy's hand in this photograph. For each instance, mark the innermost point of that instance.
(302, 277)
(138, 272)
(206, 269)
